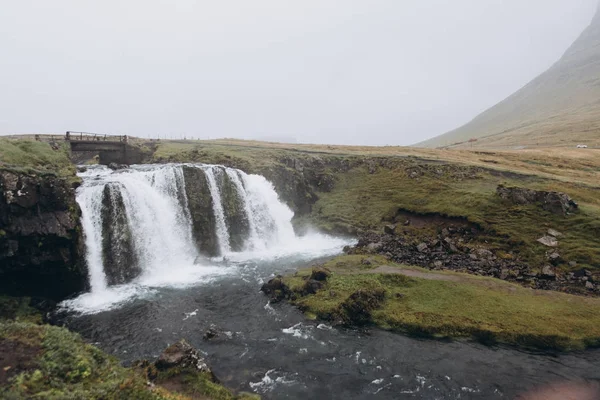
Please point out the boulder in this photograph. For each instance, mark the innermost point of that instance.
(276, 289)
(311, 287)
(554, 202)
(320, 274)
(374, 247)
(549, 241)
(182, 355)
(548, 272)
(589, 285)
(389, 229)
(422, 247)
(555, 233)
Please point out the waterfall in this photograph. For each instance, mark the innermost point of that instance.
(221, 225)
(138, 222)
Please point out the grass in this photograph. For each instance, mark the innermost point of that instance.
(23, 155)
(451, 305)
(60, 365)
(365, 200)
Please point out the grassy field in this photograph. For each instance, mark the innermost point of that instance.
(450, 305)
(35, 157)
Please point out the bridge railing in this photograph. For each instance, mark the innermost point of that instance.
(95, 137)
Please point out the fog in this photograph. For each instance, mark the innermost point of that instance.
(323, 71)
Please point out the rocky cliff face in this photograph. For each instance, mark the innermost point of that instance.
(41, 244)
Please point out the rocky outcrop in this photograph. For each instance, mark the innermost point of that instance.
(554, 202)
(41, 244)
(118, 249)
(235, 215)
(200, 204)
(182, 355)
(358, 307)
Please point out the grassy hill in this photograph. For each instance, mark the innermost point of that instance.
(561, 107)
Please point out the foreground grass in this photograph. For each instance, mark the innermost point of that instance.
(31, 156)
(450, 305)
(48, 362)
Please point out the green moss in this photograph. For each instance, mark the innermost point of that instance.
(454, 305)
(18, 309)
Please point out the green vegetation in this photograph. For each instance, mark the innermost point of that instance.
(367, 201)
(48, 362)
(450, 305)
(31, 156)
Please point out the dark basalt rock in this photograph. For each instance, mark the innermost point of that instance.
(182, 355)
(201, 210)
(276, 289)
(41, 241)
(320, 274)
(235, 214)
(554, 202)
(120, 258)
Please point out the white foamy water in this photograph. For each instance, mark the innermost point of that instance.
(159, 227)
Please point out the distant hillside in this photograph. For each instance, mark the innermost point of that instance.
(561, 107)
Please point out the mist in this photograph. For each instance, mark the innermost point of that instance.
(383, 72)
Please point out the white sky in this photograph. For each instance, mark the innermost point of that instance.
(322, 71)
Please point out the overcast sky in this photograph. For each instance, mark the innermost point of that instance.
(323, 71)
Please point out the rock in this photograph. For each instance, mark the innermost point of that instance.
(390, 229)
(82, 169)
(182, 355)
(554, 202)
(504, 274)
(422, 247)
(572, 264)
(589, 285)
(554, 233)
(358, 307)
(311, 287)
(407, 222)
(554, 256)
(115, 166)
(41, 241)
(276, 289)
(211, 333)
(548, 272)
(445, 232)
(473, 256)
(374, 247)
(484, 254)
(549, 241)
(438, 264)
(320, 274)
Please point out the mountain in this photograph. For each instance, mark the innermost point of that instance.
(561, 107)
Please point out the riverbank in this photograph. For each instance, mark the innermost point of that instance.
(363, 290)
(44, 361)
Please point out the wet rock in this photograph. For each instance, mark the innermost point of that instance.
(548, 272)
(549, 241)
(115, 166)
(41, 240)
(389, 229)
(554, 233)
(358, 307)
(211, 333)
(182, 355)
(82, 169)
(276, 289)
(320, 274)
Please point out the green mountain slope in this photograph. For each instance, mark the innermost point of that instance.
(561, 107)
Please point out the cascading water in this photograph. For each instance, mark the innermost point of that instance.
(139, 229)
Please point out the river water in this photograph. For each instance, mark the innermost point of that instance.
(271, 350)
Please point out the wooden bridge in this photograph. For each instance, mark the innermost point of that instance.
(86, 141)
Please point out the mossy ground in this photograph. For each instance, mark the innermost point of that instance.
(450, 305)
(24, 155)
(47, 362)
